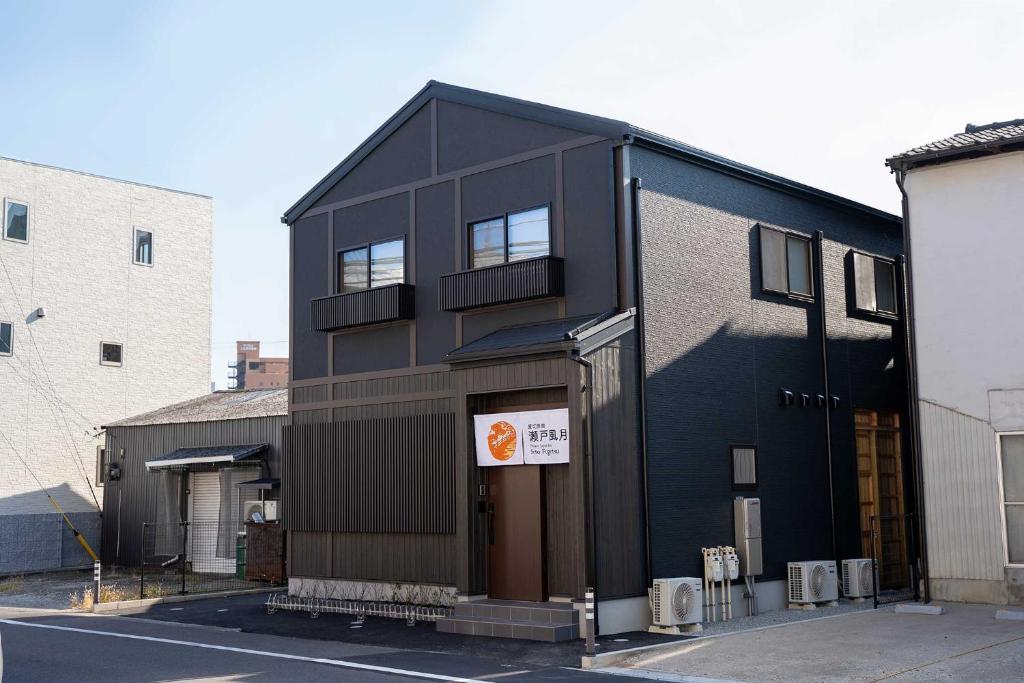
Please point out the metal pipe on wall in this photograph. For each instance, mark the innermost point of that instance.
(591, 550)
(820, 273)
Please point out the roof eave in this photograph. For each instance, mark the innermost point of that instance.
(907, 162)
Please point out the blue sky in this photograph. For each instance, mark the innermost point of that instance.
(253, 102)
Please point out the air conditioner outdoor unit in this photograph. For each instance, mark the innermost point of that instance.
(677, 602)
(250, 507)
(811, 582)
(858, 578)
(266, 508)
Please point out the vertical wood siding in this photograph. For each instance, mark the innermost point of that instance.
(961, 493)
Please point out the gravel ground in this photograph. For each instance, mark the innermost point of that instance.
(782, 616)
(53, 590)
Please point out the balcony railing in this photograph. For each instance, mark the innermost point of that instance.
(368, 307)
(504, 283)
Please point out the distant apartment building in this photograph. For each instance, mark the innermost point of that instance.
(105, 305)
(963, 208)
(250, 370)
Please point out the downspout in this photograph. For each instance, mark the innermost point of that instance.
(591, 545)
(820, 272)
(913, 407)
(641, 357)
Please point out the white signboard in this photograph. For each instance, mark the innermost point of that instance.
(536, 437)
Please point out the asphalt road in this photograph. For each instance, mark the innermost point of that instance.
(56, 647)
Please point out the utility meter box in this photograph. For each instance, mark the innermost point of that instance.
(747, 514)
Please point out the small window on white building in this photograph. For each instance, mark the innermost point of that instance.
(6, 339)
(1011, 452)
(873, 285)
(15, 220)
(110, 353)
(143, 254)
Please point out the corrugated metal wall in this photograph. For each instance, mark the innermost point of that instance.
(961, 492)
(132, 500)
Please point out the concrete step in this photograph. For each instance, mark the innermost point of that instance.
(543, 613)
(503, 628)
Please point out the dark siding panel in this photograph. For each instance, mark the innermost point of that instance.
(618, 472)
(402, 158)
(382, 348)
(537, 278)
(435, 231)
(477, 325)
(419, 383)
(589, 229)
(372, 221)
(509, 188)
(311, 553)
(136, 491)
(467, 136)
(309, 348)
(718, 351)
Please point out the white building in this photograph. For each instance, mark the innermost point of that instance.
(964, 213)
(105, 304)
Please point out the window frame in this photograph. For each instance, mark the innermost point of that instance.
(787, 234)
(101, 466)
(111, 364)
(1002, 500)
(732, 467)
(135, 244)
(28, 220)
(10, 324)
(368, 246)
(855, 311)
(468, 255)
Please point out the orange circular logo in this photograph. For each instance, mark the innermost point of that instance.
(501, 440)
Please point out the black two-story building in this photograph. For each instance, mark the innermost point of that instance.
(711, 331)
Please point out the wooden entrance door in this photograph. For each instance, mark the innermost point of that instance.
(515, 533)
(880, 477)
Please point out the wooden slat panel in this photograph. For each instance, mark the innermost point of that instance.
(368, 307)
(505, 283)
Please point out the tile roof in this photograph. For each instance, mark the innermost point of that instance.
(973, 139)
(220, 405)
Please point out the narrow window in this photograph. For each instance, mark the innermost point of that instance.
(785, 263)
(143, 254)
(101, 466)
(488, 243)
(874, 285)
(6, 339)
(15, 221)
(355, 270)
(387, 263)
(517, 236)
(1012, 452)
(110, 353)
(744, 467)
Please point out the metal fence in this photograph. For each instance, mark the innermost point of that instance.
(893, 544)
(204, 557)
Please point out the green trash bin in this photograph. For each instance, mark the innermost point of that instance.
(240, 556)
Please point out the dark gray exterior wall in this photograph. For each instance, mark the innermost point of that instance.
(718, 351)
(309, 280)
(435, 256)
(132, 500)
(380, 348)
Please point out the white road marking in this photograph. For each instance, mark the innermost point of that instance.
(246, 651)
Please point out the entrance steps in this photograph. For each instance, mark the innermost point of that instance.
(545, 621)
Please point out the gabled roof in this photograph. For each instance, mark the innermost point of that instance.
(566, 118)
(991, 138)
(220, 405)
(581, 334)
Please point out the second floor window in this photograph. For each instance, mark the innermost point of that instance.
(110, 353)
(874, 285)
(143, 247)
(516, 236)
(6, 339)
(15, 221)
(374, 265)
(785, 263)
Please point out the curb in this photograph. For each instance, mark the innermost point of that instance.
(136, 605)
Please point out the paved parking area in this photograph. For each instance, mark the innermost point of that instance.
(966, 643)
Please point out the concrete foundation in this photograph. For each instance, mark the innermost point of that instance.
(1007, 592)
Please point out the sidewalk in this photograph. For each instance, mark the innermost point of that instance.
(966, 643)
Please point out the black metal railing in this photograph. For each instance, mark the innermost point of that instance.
(893, 552)
(366, 307)
(205, 557)
(502, 284)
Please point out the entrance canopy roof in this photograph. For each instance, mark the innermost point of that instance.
(205, 455)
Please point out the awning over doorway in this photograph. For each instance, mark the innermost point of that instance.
(205, 455)
(265, 483)
(580, 334)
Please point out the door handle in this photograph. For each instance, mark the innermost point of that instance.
(490, 523)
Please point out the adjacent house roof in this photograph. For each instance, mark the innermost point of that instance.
(565, 118)
(991, 138)
(581, 334)
(205, 455)
(220, 405)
